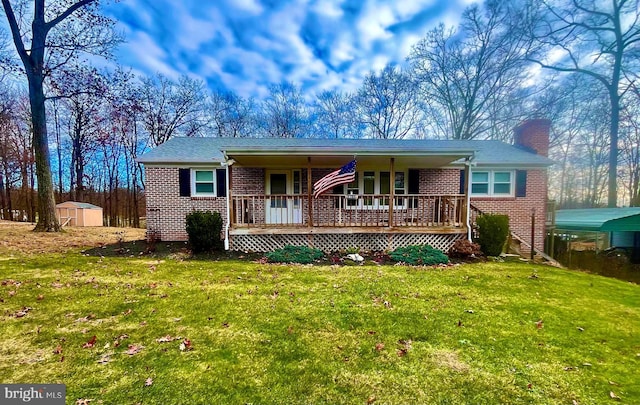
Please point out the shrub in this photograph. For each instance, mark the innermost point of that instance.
(295, 254)
(493, 231)
(203, 228)
(463, 248)
(419, 254)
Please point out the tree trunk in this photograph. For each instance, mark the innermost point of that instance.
(612, 196)
(47, 221)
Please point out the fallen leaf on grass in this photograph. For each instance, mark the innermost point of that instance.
(371, 399)
(379, 346)
(83, 401)
(134, 349)
(127, 312)
(86, 318)
(23, 312)
(11, 293)
(57, 350)
(614, 396)
(186, 345)
(148, 382)
(40, 297)
(104, 359)
(166, 339)
(540, 324)
(90, 343)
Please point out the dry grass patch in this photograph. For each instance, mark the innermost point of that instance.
(18, 237)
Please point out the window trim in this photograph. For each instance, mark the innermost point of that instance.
(492, 182)
(194, 192)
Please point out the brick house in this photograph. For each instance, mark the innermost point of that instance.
(405, 192)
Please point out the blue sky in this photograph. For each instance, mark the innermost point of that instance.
(246, 45)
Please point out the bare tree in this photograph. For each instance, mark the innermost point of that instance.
(232, 115)
(387, 103)
(285, 112)
(630, 146)
(45, 39)
(334, 115)
(593, 38)
(170, 108)
(473, 74)
(81, 90)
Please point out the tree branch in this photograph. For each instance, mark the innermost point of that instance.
(66, 13)
(15, 33)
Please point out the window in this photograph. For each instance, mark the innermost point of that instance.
(370, 183)
(353, 189)
(492, 183)
(502, 183)
(204, 183)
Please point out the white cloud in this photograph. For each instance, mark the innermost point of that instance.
(250, 6)
(150, 55)
(328, 8)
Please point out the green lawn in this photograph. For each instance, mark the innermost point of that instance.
(483, 333)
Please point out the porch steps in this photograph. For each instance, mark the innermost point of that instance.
(516, 248)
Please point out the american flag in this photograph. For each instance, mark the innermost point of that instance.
(346, 174)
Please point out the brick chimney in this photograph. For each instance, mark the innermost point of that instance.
(533, 135)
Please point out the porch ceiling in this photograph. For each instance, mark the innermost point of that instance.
(365, 161)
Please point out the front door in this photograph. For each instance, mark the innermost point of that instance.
(283, 201)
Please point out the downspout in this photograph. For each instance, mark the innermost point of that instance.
(227, 162)
(467, 176)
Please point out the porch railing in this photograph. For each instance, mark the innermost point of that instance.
(370, 210)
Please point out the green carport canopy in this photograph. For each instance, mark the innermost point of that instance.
(599, 219)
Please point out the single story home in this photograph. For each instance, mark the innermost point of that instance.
(404, 192)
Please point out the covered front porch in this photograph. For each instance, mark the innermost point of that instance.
(437, 213)
(399, 197)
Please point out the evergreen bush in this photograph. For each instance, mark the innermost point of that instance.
(493, 232)
(204, 228)
(295, 254)
(419, 255)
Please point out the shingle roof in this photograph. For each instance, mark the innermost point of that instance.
(80, 205)
(209, 150)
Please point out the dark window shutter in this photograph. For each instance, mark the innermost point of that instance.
(184, 178)
(462, 185)
(221, 182)
(521, 183)
(414, 181)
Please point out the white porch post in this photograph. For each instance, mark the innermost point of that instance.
(227, 165)
(467, 190)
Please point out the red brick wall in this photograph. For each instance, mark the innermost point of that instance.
(439, 181)
(534, 135)
(166, 210)
(519, 209)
